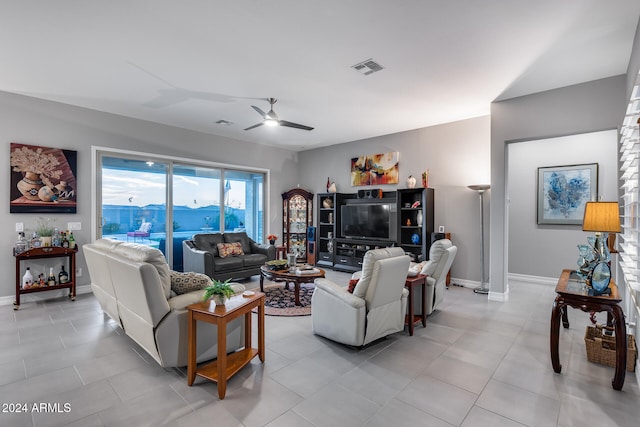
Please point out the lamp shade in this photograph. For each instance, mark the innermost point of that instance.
(601, 217)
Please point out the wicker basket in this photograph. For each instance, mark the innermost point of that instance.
(601, 348)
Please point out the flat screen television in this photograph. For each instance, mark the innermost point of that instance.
(368, 221)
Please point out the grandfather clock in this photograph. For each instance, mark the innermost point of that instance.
(297, 217)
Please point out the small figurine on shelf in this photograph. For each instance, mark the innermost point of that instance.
(408, 222)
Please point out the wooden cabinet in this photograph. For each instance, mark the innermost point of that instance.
(326, 231)
(415, 221)
(297, 216)
(46, 253)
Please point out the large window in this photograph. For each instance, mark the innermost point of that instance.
(160, 202)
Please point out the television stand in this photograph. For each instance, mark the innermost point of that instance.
(350, 252)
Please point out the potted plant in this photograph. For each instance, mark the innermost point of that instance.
(45, 229)
(272, 238)
(220, 291)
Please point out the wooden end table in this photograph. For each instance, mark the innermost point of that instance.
(287, 277)
(411, 318)
(226, 365)
(573, 292)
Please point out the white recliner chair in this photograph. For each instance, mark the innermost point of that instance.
(441, 256)
(376, 308)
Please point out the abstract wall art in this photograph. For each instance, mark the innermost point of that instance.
(563, 192)
(375, 169)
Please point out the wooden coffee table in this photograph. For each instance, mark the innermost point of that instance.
(226, 365)
(287, 277)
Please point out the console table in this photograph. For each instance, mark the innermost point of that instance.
(573, 292)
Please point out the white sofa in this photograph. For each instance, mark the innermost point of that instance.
(376, 308)
(133, 286)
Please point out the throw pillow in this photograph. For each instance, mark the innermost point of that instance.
(352, 285)
(182, 283)
(230, 249)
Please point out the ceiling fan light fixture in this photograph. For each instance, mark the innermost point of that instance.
(270, 122)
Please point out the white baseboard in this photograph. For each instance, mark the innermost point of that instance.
(534, 280)
(38, 296)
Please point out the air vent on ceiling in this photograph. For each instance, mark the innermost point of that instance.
(224, 122)
(367, 67)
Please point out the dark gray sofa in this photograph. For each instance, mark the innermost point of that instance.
(200, 254)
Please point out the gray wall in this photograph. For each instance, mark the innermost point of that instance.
(582, 108)
(456, 155)
(544, 250)
(29, 120)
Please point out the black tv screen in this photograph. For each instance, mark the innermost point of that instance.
(368, 221)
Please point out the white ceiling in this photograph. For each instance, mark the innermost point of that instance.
(190, 63)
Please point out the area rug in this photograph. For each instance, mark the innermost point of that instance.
(280, 301)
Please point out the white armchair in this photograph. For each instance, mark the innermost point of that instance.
(376, 308)
(441, 256)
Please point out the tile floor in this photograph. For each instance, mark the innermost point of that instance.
(477, 363)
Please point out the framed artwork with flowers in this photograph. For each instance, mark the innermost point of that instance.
(43, 179)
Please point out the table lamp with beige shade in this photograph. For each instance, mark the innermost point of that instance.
(601, 218)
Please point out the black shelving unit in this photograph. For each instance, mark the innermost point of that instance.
(326, 232)
(414, 234)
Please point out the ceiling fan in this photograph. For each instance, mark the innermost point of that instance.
(271, 118)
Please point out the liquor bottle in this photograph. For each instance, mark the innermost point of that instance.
(64, 242)
(55, 241)
(72, 241)
(51, 280)
(63, 276)
(21, 244)
(27, 279)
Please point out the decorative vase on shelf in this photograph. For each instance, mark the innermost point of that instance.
(419, 218)
(425, 179)
(332, 188)
(29, 185)
(411, 182)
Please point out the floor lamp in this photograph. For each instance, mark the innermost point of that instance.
(482, 289)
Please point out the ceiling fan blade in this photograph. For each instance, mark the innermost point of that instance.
(294, 125)
(262, 113)
(254, 126)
